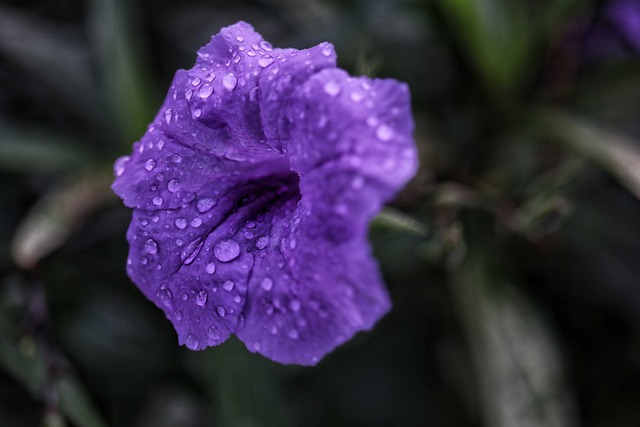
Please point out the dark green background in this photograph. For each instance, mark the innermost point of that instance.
(513, 257)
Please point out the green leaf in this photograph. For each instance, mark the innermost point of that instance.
(612, 151)
(58, 214)
(126, 80)
(28, 150)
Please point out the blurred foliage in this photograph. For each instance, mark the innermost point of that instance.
(512, 257)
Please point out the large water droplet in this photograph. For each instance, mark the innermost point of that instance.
(221, 311)
(262, 242)
(196, 222)
(266, 283)
(265, 61)
(294, 305)
(201, 298)
(181, 223)
(226, 250)
(150, 164)
(192, 342)
(120, 165)
(158, 201)
(229, 81)
(384, 133)
(151, 246)
(205, 205)
(332, 88)
(228, 285)
(173, 185)
(205, 91)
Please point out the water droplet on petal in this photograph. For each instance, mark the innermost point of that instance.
(176, 158)
(196, 222)
(229, 82)
(181, 223)
(151, 246)
(262, 242)
(228, 285)
(332, 88)
(205, 205)
(120, 165)
(201, 298)
(158, 201)
(293, 334)
(356, 96)
(205, 91)
(197, 113)
(196, 81)
(266, 283)
(221, 311)
(265, 61)
(294, 305)
(173, 185)
(167, 115)
(178, 315)
(256, 346)
(150, 164)
(327, 51)
(192, 342)
(226, 250)
(213, 332)
(240, 39)
(210, 268)
(384, 133)
(188, 94)
(250, 224)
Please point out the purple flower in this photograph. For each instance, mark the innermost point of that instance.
(252, 193)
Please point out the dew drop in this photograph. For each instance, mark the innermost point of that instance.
(196, 222)
(228, 285)
(229, 81)
(197, 113)
(294, 305)
(201, 298)
(384, 133)
(250, 224)
(356, 96)
(151, 246)
(210, 268)
(256, 346)
(150, 164)
(192, 342)
(226, 250)
(265, 61)
(167, 115)
(221, 311)
(326, 51)
(332, 88)
(213, 332)
(205, 91)
(158, 201)
(205, 205)
(188, 94)
(176, 158)
(196, 81)
(240, 39)
(210, 77)
(262, 242)
(178, 315)
(266, 283)
(173, 185)
(293, 334)
(181, 223)
(120, 165)
(266, 46)
(251, 53)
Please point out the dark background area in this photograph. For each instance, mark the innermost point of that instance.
(512, 258)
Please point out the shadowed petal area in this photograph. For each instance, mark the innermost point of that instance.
(252, 193)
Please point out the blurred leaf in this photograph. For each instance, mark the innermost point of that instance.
(614, 152)
(126, 80)
(397, 220)
(50, 53)
(520, 370)
(52, 220)
(26, 150)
